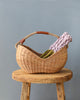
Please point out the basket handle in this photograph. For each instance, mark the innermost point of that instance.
(38, 32)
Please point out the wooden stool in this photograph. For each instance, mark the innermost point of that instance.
(58, 78)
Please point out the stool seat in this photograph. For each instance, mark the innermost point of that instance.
(62, 76)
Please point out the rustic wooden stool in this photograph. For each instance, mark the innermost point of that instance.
(58, 78)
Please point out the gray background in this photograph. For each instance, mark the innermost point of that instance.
(18, 18)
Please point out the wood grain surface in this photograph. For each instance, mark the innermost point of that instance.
(60, 91)
(62, 76)
(25, 93)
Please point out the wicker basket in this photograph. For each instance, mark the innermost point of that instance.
(30, 62)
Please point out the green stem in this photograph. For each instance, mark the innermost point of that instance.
(46, 52)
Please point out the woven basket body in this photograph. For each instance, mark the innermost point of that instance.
(30, 62)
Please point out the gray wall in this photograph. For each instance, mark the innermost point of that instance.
(18, 18)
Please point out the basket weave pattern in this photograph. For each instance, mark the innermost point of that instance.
(32, 63)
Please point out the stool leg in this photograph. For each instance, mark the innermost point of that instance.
(28, 95)
(25, 93)
(60, 91)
